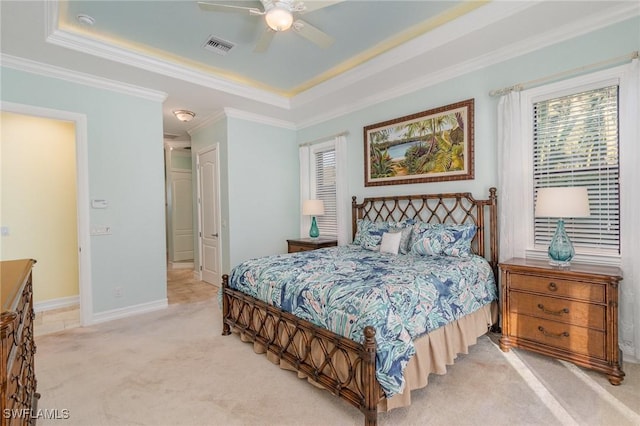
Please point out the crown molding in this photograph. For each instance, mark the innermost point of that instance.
(66, 39)
(257, 118)
(170, 145)
(213, 118)
(439, 36)
(558, 35)
(242, 115)
(46, 70)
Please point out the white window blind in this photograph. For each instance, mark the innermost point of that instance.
(323, 181)
(575, 143)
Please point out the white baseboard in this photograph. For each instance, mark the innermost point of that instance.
(180, 265)
(128, 311)
(62, 302)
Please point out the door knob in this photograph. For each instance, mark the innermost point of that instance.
(214, 235)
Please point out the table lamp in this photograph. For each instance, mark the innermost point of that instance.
(313, 208)
(562, 202)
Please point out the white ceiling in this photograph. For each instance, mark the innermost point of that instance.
(382, 49)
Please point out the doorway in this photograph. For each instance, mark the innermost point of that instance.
(179, 204)
(77, 249)
(208, 182)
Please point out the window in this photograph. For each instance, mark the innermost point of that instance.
(323, 186)
(323, 176)
(575, 143)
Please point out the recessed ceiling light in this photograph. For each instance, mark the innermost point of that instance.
(85, 19)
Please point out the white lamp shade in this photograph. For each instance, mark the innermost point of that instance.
(562, 202)
(313, 207)
(279, 18)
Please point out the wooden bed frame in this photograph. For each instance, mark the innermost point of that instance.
(346, 368)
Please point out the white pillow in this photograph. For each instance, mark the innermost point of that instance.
(390, 242)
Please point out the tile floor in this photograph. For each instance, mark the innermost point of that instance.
(182, 287)
(56, 320)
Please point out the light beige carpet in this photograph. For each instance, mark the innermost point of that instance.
(173, 367)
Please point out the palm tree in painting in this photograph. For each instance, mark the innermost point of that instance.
(381, 162)
(442, 150)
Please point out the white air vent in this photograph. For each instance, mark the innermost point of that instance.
(218, 45)
(170, 136)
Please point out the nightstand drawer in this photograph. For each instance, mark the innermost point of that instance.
(578, 340)
(559, 288)
(294, 248)
(306, 244)
(563, 310)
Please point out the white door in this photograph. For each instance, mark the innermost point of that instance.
(209, 216)
(182, 216)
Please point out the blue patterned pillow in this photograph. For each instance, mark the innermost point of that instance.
(437, 239)
(369, 234)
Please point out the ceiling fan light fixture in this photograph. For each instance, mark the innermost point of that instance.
(279, 18)
(184, 115)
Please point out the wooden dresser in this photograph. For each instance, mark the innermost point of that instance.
(305, 244)
(567, 313)
(17, 347)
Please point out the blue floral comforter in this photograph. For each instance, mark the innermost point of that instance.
(344, 289)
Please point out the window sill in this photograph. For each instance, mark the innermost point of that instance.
(589, 258)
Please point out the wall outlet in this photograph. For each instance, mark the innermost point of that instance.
(117, 292)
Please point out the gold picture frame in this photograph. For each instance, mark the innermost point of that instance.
(430, 146)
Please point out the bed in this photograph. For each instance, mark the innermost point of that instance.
(370, 321)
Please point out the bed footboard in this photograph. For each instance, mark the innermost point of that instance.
(343, 367)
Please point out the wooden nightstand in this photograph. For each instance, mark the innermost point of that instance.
(305, 244)
(567, 313)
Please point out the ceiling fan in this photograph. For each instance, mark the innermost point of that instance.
(279, 16)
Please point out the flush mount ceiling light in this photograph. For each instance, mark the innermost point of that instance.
(85, 19)
(279, 17)
(184, 115)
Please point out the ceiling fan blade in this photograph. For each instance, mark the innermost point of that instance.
(312, 34)
(213, 7)
(265, 41)
(311, 5)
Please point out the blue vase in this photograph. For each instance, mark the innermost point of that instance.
(314, 232)
(561, 249)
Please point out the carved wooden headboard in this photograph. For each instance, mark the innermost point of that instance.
(454, 208)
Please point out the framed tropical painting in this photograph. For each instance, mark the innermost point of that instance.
(430, 146)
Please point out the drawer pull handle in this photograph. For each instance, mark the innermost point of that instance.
(557, 336)
(553, 286)
(557, 313)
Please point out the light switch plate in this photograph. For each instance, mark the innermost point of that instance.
(99, 204)
(100, 230)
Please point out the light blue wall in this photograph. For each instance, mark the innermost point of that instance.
(264, 181)
(607, 43)
(262, 190)
(259, 186)
(126, 163)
